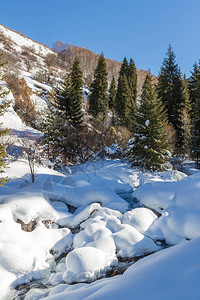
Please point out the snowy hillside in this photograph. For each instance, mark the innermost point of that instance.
(21, 41)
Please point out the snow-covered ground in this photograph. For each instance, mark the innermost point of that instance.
(89, 222)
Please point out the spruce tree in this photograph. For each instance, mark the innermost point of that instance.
(51, 126)
(126, 101)
(149, 148)
(131, 106)
(133, 80)
(123, 97)
(76, 118)
(3, 108)
(167, 85)
(124, 68)
(69, 96)
(195, 133)
(173, 92)
(182, 115)
(63, 96)
(112, 94)
(194, 87)
(98, 98)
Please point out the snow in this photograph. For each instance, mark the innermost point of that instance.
(26, 252)
(179, 204)
(86, 263)
(130, 243)
(20, 41)
(140, 218)
(169, 274)
(107, 227)
(103, 229)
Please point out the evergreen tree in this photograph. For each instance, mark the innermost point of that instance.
(149, 148)
(63, 96)
(112, 94)
(133, 80)
(167, 82)
(124, 68)
(173, 92)
(126, 101)
(131, 106)
(122, 99)
(69, 96)
(3, 108)
(195, 133)
(194, 87)
(76, 118)
(98, 98)
(51, 126)
(182, 115)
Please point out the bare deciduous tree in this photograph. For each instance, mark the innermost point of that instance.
(31, 151)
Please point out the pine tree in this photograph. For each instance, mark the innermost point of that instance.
(112, 94)
(3, 108)
(167, 81)
(173, 92)
(126, 101)
(131, 106)
(194, 87)
(133, 80)
(69, 96)
(76, 118)
(182, 115)
(63, 96)
(123, 97)
(195, 133)
(149, 148)
(120, 101)
(51, 126)
(98, 98)
(124, 68)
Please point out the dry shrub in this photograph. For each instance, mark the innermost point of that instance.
(40, 76)
(12, 81)
(171, 136)
(123, 136)
(28, 55)
(23, 104)
(51, 60)
(20, 32)
(10, 60)
(8, 44)
(45, 76)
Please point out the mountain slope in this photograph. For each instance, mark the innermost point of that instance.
(19, 49)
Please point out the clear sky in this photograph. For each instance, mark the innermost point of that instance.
(133, 28)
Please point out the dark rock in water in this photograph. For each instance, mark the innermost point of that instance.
(115, 273)
(23, 289)
(47, 223)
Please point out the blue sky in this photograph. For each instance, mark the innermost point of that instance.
(133, 28)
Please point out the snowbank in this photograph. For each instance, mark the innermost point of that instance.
(179, 204)
(170, 274)
(106, 223)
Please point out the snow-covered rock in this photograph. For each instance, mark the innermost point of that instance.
(140, 218)
(86, 264)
